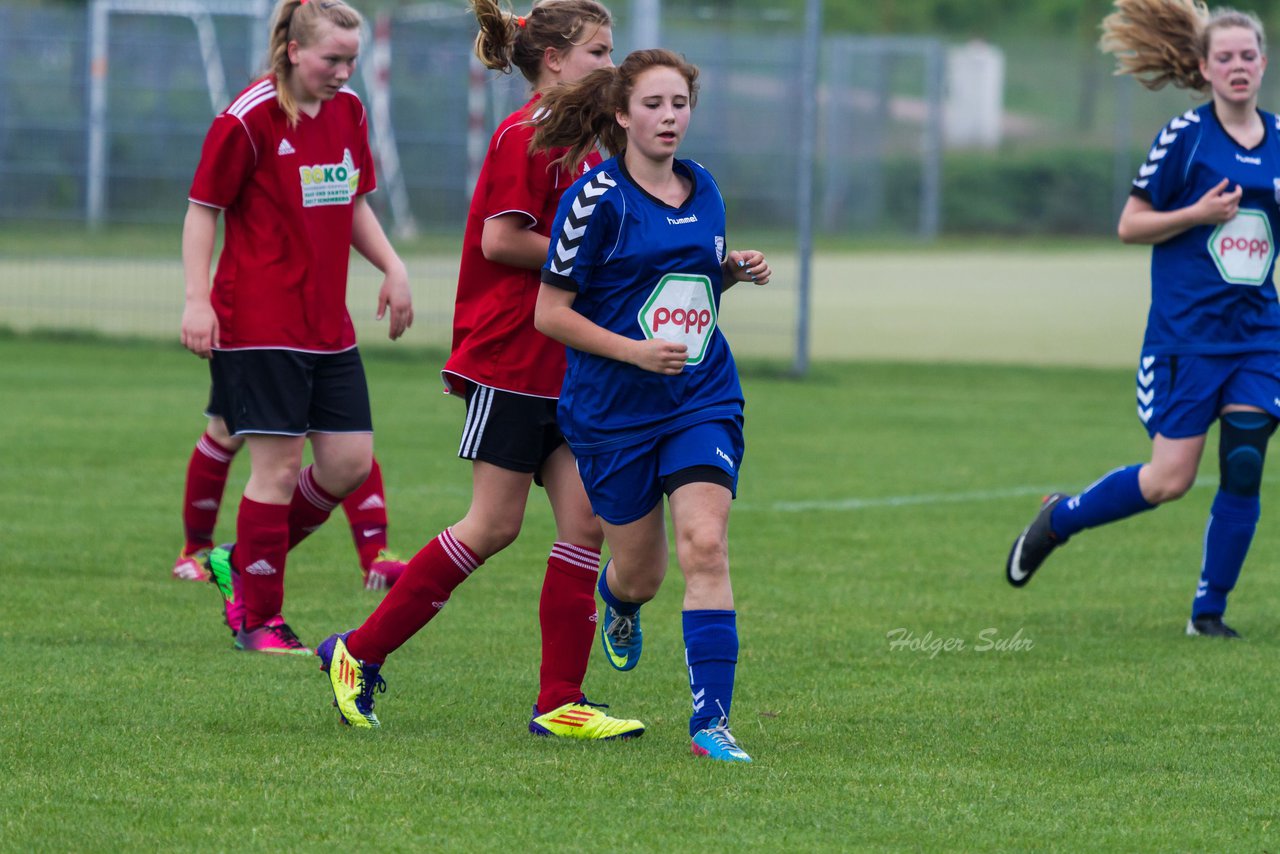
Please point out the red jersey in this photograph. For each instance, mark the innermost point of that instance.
(289, 194)
(494, 340)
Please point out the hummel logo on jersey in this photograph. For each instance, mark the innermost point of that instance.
(575, 224)
(285, 148)
(371, 502)
(684, 220)
(260, 567)
(1252, 161)
(722, 455)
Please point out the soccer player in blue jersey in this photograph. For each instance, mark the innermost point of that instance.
(651, 402)
(1206, 200)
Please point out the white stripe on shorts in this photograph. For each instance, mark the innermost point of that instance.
(477, 418)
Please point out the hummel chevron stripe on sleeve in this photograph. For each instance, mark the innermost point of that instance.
(575, 223)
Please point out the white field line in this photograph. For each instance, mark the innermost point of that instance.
(890, 501)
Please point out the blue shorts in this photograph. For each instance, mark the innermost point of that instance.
(1180, 396)
(626, 484)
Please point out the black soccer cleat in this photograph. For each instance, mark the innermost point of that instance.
(1210, 626)
(1034, 544)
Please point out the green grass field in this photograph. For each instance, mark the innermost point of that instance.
(878, 500)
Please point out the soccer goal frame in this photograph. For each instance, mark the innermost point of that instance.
(201, 14)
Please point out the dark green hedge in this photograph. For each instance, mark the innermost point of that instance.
(1033, 192)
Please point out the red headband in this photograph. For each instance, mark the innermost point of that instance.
(520, 21)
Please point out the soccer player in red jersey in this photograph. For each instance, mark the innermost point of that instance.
(289, 163)
(510, 375)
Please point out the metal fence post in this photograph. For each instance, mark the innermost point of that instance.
(809, 54)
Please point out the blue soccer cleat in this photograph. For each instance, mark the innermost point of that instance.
(718, 743)
(620, 635)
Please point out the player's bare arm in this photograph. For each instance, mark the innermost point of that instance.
(199, 323)
(554, 317)
(371, 241)
(510, 239)
(1141, 223)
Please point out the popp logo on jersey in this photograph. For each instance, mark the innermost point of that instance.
(1243, 247)
(329, 183)
(682, 310)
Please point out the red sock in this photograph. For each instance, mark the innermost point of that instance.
(310, 507)
(366, 510)
(262, 542)
(567, 612)
(206, 480)
(421, 592)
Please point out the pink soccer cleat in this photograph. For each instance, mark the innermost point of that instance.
(193, 566)
(274, 636)
(385, 571)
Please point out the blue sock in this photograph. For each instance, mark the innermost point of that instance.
(1113, 496)
(1232, 521)
(613, 601)
(711, 652)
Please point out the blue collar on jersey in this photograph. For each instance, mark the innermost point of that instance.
(679, 165)
(1266, 131)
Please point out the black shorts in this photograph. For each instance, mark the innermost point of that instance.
(289, 393)
(511, 431)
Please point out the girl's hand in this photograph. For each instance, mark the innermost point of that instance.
(395, 295)
(199, 328)
(659, 357)
(747, 265)
(1218, 205)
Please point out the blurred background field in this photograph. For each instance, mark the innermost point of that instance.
(1082, 305)
(968, 159)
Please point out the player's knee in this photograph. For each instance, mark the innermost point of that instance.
(703, 552)
(635, 586)
(493, 535)
(344, 478)
(1242, 451)
(219, 433)
(1168, 486)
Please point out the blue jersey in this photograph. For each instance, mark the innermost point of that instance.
(1211, 286)
(643, 269)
